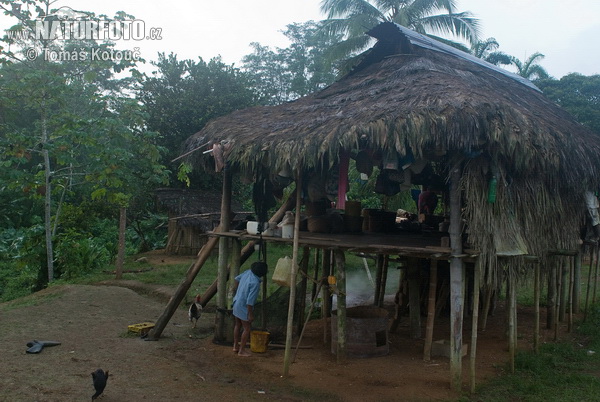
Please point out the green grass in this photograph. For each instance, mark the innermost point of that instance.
(565, 371)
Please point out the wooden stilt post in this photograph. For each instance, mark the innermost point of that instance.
(234, 269)
(551, 304)
(430, 310)
(303, 286)
(414, 297)
(248, 249)
(536, 304)
(489, 289)
(571, 268)
(474, 323)
(220, 335)
(340, 264)
(456, 280)
(596, 273)
(558, 275)
(378, 279)
(577, 282)
(398, 301)
(183, 287)
(512, 319)
(589, 284)
(564, 279)
(384, 275)
(290, 318)
(326, 306)
(316, 274)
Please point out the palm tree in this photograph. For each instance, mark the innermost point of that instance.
(530, 68)
(353, 18)
(488, 51)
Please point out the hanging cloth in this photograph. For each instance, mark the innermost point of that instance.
(343, 179)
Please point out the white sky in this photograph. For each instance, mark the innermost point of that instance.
(564, 31)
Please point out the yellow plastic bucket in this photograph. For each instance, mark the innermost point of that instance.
(259, 341)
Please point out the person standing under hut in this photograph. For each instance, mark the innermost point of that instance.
(247, 286)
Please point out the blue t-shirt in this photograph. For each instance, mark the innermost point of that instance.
(246, 294)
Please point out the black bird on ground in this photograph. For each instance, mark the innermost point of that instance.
(195, 311)
(99, 377)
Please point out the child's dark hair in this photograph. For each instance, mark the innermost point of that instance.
(259, 268)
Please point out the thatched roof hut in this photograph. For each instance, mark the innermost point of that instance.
(413, 94)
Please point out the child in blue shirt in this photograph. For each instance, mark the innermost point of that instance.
(247, 286)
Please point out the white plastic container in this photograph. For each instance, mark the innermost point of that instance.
(287, 231)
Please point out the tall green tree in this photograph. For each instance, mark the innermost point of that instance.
(67, 118)
(181, 96)
(302, 68)
(578, 94)
(531, 67)
(353, 18)
(488, 50)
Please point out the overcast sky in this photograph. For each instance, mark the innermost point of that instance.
(565, 32)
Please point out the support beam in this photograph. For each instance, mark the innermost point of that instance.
(577, 282)
(193, 270)
(430, 310)
(222, 272)
(456, 280)
(414, 297)
(511, 284)
(536, 304)
(340, 264)
(290, 319)
(183, 287)
(474, 324)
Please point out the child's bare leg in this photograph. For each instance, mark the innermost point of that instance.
(244, 340)
(236, 334)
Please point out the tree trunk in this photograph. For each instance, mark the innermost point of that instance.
(121, 249)
(48, 196)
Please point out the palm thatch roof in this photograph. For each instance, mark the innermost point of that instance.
(412, 92)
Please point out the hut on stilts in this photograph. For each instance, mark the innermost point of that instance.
(513, 166)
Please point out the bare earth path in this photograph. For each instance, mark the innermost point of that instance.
(91, 323)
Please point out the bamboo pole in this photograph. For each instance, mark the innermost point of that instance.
(551, 297)
(183, 287)
(564, 279)
(314, 291)
(326, 306)
(486, 305)
(571, 288)
(557, 305)
(303, 286)
(577, 282)
(248, 249)
(290, 318)
(474, 323)
(456, 280)
(234, 270)
(596, 274)
(378, 279)
(384, 276)
(310, 309)
(414, 298)
(430, 310)
(512, 320)
(536, 303)
(589, 283)
(340, 263)
(223, 256)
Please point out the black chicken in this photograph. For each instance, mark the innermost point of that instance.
(99, 378)
(195, 311)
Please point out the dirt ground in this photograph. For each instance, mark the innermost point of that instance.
(91, 324)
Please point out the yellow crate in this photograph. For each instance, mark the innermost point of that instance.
(141, 328)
